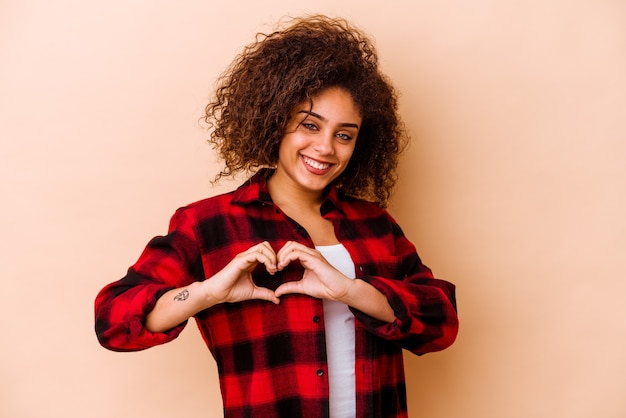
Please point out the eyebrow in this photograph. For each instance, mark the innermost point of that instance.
(322, 118)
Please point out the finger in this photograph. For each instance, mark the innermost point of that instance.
(307, 257)
(263, 253)
(293, 251)
(292, 246)
(265, 294)
(286, 258)
(267, 249)
(289, 288)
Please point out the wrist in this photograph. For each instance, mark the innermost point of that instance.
(367, 299)
(209, 297)
(351, 293)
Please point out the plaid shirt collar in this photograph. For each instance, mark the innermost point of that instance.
(255, 191)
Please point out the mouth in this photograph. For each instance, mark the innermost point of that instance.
(314, 164)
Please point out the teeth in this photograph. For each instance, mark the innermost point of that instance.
(316, 164)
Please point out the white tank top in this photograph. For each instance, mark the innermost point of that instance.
(340, 352)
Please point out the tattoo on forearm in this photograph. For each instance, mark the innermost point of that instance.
(182, 296)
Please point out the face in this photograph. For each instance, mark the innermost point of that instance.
(319, 142)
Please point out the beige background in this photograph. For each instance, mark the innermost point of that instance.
(514, 189)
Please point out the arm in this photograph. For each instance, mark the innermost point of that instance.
(168, 262)
(166, 286)
(176, 306)
(424, 307)
(367, 299)
(231, 284)
(396, 298)
(321, 280)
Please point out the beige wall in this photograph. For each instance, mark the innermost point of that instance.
(514, 189)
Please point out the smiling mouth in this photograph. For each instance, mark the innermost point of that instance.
(315, 164)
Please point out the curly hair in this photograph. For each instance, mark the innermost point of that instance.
(256, 94)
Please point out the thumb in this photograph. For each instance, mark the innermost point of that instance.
(266, 294)
(289, 287)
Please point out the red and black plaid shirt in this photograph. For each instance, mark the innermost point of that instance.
(272, 358)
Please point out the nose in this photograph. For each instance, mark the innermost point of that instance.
(324, 144)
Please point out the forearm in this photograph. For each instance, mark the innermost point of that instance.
(177, 306)
(367, 299)
(426, 317)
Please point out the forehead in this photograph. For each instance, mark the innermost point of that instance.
(331, 103)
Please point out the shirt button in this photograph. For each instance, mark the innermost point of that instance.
(316, 319)
(320, 372)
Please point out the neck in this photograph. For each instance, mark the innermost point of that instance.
(286, 195)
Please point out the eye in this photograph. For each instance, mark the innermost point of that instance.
(309, 126)
(344, 137)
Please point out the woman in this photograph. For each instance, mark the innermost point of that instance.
(302, 285)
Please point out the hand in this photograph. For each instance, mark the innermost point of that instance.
(320, 279)
(234, 282)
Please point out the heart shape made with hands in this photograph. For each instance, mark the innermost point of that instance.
(292, 271)
(312, 273)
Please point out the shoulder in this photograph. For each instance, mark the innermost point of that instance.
(356, 208)
(212, 207)
(233, 204)
(209, 202)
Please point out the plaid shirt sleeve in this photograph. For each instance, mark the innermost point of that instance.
(425, 307)
(121, 307)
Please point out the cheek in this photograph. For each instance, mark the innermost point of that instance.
(288, 147)
(348, 153)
